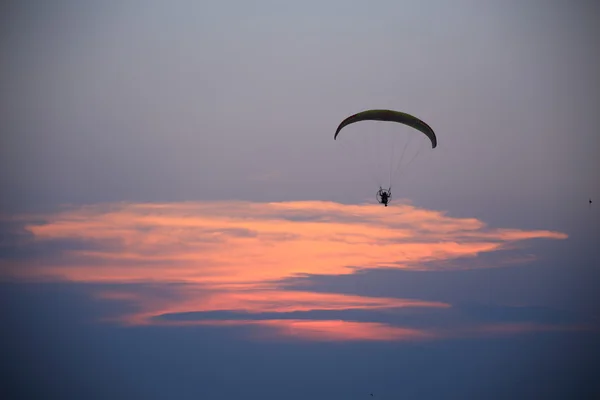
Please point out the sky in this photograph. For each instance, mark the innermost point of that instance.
(176, 220)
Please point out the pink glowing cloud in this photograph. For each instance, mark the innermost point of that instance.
(230, 256)
(257, 242)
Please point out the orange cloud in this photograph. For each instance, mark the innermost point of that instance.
(235, 252)
(252, 300)
(341, 331)
(257, 242)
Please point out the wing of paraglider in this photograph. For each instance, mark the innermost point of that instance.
(391, 116)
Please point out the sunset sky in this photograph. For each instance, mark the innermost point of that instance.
(177, 222)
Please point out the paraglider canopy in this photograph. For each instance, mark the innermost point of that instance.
(391, 116)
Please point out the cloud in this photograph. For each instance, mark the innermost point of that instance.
(275, 239)
(235, 258)
(410, 322)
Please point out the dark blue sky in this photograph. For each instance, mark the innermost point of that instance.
(176, 220)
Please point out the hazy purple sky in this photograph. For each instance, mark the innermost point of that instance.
(178, 222)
